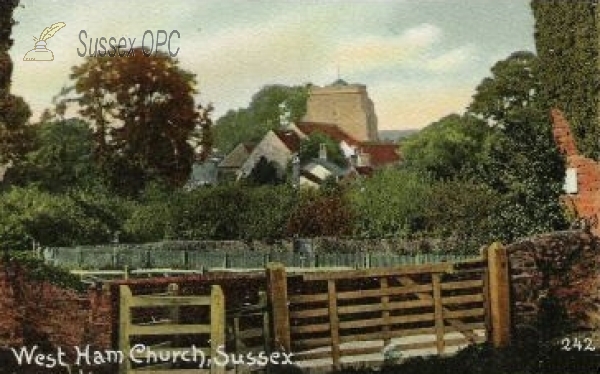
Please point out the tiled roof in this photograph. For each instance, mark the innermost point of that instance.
(331, 130)
(236, 158)
(290, 139)
(381, 153)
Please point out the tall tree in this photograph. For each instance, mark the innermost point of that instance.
(523, 164)
(15, 135)
(61, 159)
(310, 146)
(566, 38)
(262, 114)
(452, 147)
(142, 110)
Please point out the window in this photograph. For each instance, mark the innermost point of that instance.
(570, 185)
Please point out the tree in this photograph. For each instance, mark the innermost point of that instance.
(262, 114)
(15, 135)
(566, 39)
(61, 159)
(523, 163)
(142, 110)
(452, 147)
(310, 146)
(265, 172)
(390, 204)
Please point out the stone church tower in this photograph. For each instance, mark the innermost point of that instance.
(345, 105)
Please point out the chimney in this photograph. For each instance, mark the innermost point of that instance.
(364, 159)
(322, 151)
(295, 171)
(354, 160)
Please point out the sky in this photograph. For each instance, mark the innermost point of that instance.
(420, 59)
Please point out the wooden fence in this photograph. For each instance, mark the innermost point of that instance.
(145, 330)
(343, 316)
(119, 257)
(360, 315)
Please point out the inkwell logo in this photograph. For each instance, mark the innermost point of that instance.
(40, 52)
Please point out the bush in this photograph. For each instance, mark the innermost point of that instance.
(57, 219)
(390, 204)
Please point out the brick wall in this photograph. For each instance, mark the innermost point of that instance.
(563, 265)
(586, 202)
(41, 313)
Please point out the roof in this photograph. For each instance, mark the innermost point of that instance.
(381, 153)
(290, 138)
(331, 130)
(332, 167)
(236, 158)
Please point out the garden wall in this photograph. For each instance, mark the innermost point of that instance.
(41, 313)
(560, 265)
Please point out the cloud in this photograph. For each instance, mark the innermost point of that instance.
(376, 52)
(452, 60)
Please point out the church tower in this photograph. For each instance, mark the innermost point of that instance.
(345, 105)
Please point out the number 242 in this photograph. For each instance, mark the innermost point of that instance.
(568, 344)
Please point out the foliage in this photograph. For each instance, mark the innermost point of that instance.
(57, 219)
(15, 135)
(35, 269)
(390, 203)
(462, 210)
(523, 164)
(143, 113)
(219, 212)
(452, 147)
(514, 86)
(320, 214)
(264, 172)
(262, 114)
(566, 38)
(310, 146)
(61, 159)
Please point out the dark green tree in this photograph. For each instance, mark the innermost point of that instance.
(452, 147)
(62, 158)
(523, 165)
(15, 135)
(310, 146)
(262, 114)
(566, 38)
(143, 113)
(265, 172)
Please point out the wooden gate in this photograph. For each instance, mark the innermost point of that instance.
(369, 315)
(153, 322)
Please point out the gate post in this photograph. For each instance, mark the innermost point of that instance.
(217, 327)
(499, 294)
(277, 297)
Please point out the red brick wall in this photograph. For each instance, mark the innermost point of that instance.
(586, 202)
(40, 313)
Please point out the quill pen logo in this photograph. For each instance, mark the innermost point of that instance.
(40, 52)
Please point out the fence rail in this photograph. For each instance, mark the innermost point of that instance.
(333, 317)
(161, 335)
(119, 257)
(363, 315)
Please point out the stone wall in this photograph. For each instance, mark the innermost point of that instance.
(561, 265)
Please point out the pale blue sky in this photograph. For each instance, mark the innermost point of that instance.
(420, 59)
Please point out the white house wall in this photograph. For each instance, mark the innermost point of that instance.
(272, 148)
